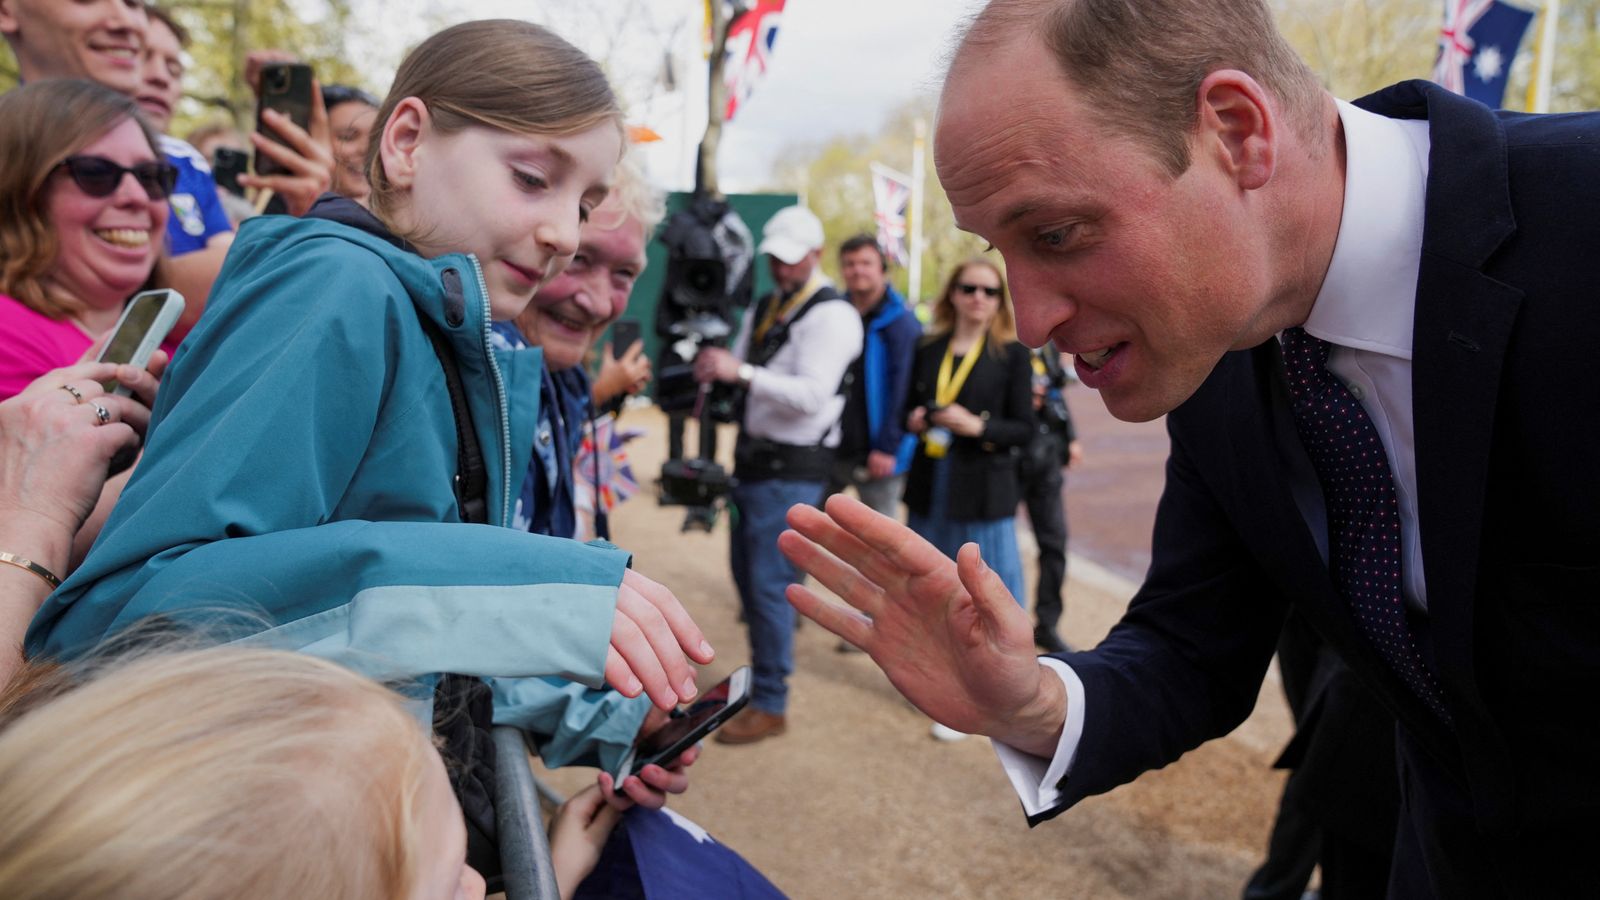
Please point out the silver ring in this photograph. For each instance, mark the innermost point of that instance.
(101, 413)
(77, 394)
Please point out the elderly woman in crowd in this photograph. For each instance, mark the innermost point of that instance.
(83, 190)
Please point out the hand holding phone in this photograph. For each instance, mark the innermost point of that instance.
(286, 88)
(688, 725)
(145, 323)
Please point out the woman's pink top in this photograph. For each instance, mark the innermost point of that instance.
(32, 343)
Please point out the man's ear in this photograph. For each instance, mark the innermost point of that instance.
(1238, 126)
(403, 138)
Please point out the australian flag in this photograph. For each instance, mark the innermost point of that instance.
(660, 855)
(1476, 46)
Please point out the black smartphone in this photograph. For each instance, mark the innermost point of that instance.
(623, 333)
(145, 323)
(689, 725)
(286, 88)
(227, 164)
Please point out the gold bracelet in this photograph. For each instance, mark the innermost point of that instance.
(23, 563)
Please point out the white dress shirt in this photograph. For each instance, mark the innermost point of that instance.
(1365, 310)
(794, 398)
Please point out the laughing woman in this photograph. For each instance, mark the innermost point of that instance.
(83, 191)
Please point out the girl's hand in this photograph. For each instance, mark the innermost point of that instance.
(650, 634)
(577, 834)
(651, 786)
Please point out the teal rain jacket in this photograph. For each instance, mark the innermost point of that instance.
(297, 481)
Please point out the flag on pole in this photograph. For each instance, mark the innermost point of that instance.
(891, 191)
(1476, 46)
(749, 50)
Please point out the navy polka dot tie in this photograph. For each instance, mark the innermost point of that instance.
(1364, 548)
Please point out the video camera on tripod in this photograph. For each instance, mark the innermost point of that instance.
(709, 277)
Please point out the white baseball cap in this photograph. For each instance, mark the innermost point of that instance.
(790, 234)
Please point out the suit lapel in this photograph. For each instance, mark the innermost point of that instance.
(1464, 321)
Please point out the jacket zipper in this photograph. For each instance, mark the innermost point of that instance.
(500, 396)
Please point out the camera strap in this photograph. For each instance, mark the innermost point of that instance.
(765, 343)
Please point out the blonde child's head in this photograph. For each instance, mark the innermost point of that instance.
(252, 774)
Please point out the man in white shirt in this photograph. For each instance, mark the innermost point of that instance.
(1372, 330)
(790, 357)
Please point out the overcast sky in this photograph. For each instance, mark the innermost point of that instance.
(839, 67)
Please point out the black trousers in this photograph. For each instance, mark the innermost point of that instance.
(1041, 493)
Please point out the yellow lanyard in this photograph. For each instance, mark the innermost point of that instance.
(947, 388)
(786, 308)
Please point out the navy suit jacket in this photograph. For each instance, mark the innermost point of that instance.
(1506, 386)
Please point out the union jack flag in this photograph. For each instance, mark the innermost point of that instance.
(891, 191)
(1476, 46)
(749, 50)
(608, 477)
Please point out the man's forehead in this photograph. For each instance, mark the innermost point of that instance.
(624, 242)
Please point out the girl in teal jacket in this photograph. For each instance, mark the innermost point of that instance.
(297, 479)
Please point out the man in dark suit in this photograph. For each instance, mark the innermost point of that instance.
(1374, 329)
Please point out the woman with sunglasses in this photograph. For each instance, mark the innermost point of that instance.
(83, 189)
(971, 410)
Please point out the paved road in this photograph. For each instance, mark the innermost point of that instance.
(1111, 497)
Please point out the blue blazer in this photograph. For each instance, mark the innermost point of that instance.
(1506, 381)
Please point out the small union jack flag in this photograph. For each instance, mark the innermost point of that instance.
(891, 191)
(605, 475)
(748, 53)
(1476, 46)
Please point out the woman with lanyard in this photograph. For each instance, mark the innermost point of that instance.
(971, 409)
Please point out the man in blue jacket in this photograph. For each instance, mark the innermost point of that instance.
(874, 421)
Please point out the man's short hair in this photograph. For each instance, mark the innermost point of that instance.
(157, 14)
(1139, 63)
(864, 240)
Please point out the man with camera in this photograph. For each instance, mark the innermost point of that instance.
(790, 358)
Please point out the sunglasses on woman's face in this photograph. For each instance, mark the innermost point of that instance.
(992, 293)
(99, 177)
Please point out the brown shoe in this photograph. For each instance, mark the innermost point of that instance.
(750, 726)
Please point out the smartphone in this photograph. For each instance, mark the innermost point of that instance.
(145, 323)
(227, 164)
(285, 87)
(623, 333)
(689, 725)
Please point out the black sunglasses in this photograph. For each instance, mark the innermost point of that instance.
(99, 177)
(970, 289)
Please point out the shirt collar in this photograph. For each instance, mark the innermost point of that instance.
(1368, 298)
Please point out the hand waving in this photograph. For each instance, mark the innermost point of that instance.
(949, 635)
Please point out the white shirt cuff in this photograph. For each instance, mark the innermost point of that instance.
(1034, 778)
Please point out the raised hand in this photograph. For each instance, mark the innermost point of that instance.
(948, 634)
(649, 637)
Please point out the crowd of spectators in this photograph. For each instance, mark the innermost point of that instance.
(351, 461)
